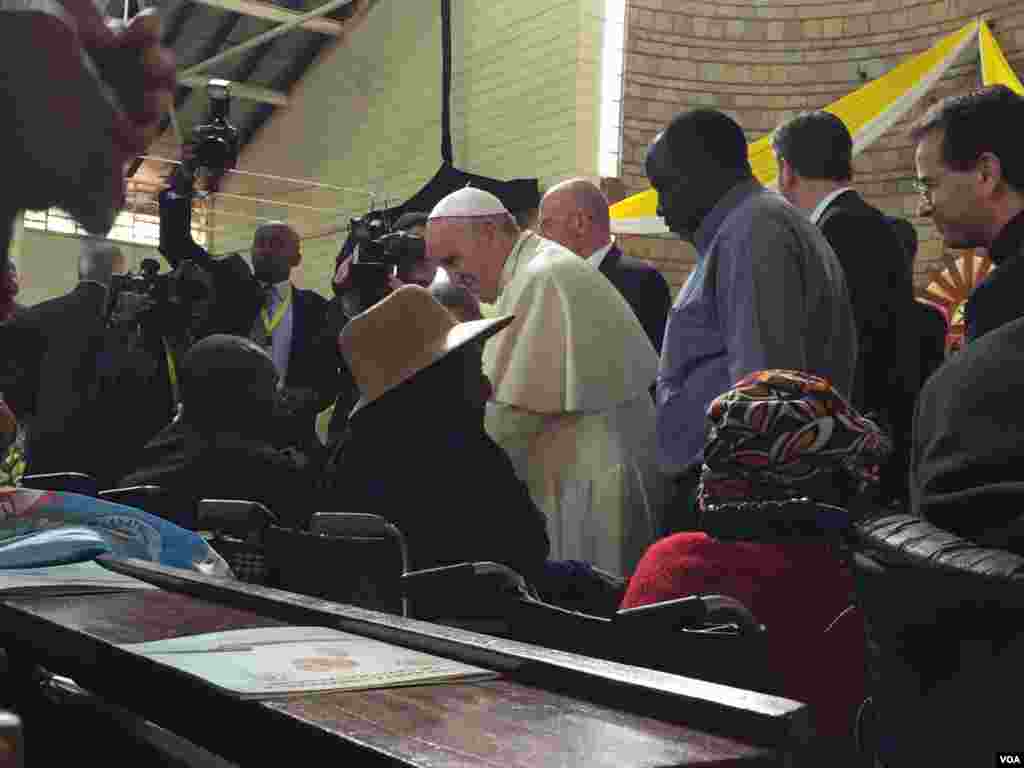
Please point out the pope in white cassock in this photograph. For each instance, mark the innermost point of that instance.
(571, 376)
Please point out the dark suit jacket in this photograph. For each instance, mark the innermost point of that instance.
(310, 363)
(644, 288)
(995, 301)
(888, 376)
(932, 330)
(882, 296)
(48, 377)
(312, 380)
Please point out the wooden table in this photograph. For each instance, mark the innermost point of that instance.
(548, 708)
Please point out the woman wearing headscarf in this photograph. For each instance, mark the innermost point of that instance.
(789, 439)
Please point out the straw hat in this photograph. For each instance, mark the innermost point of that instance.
(398, 337)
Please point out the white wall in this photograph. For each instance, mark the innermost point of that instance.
(48, 263)
(525, 103)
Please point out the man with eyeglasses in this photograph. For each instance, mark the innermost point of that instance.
(968, 426)
(970, 175)
(767, 290)
(968, 437)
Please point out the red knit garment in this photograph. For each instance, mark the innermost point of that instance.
(796, 589)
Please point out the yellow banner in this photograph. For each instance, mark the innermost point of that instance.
(868, 112)
(995, 69)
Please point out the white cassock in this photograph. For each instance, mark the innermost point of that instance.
(571, 405)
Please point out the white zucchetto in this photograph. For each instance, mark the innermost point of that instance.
(468, 202)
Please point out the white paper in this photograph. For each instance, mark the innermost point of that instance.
(275, 661)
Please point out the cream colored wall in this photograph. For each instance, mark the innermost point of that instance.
(525, 102)
(48, 263)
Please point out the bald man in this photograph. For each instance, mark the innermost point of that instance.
(570, 376)
(291, 327)
(48, 369)
(575, 215)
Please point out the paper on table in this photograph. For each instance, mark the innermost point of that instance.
(277, 661)
(88, 577)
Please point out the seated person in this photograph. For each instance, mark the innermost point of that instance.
(780, 435)
(457, 300)
(417, 452)
(969, 442)
(8, 436)
(8, 427)
(220, 445)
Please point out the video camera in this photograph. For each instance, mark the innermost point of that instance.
(167, 299)
(378, 254)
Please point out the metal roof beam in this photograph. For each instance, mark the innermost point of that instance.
(297, 20)
(276, 14)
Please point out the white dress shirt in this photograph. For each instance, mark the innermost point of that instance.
(819, 209)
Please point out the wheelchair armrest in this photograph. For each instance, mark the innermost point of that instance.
(463, 578)
(246, 520)
(130, 494)
(693, 612)
(70, 482)
(908, 540)
(351, 524)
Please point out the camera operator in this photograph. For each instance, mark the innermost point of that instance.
(259, 303)
(373, 263)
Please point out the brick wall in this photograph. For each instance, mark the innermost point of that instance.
(766, 60)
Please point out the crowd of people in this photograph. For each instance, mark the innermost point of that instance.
(549, 403)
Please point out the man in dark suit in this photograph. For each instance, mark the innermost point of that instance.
(815, 152)
(48, 370)
(290, 326)
(930, 323)
(575, 215)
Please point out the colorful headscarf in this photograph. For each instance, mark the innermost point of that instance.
(787, 435)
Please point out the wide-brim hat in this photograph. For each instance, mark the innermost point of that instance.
(401, 335)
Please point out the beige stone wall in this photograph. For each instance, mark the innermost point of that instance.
(764, 61)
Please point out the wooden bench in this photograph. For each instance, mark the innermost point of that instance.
(548, 707)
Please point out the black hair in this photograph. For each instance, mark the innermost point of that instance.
(817, 145)
(986, 120)
(703, 136)
(228, 383)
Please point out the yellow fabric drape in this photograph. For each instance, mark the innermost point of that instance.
(867, 112)
(995, 69)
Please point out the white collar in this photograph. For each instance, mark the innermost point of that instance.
(819, 210)
(597, 257)
(282, 288)
(512, 262)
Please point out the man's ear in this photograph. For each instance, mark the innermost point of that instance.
(296, 258)
(990, 172)
(786, 175)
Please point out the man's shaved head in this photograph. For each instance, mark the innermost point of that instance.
(275, 251)
(574, 213)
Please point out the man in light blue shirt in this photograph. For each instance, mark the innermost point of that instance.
(292, 327)
(767, 291)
